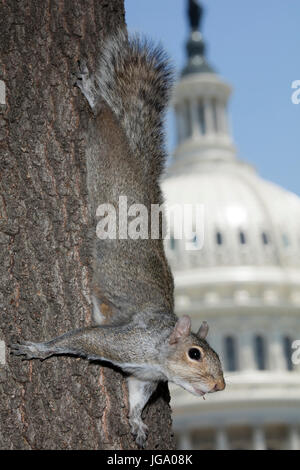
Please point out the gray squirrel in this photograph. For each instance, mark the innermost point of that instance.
(137, 329)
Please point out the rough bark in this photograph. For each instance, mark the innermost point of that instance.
(45, 234)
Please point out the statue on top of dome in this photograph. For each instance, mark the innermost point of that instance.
(195, 13)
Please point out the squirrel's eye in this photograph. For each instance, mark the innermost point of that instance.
(195, 354)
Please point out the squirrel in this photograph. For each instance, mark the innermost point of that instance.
(128, 94)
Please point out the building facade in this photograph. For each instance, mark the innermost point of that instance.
(241, 272)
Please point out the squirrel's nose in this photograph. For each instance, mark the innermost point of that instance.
(220, 385)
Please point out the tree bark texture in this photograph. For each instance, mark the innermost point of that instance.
(46, 233)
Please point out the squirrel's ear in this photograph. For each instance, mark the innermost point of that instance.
(203, 330)
(182, 329)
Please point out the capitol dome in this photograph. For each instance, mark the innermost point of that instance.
(241, 271)
(247, 220)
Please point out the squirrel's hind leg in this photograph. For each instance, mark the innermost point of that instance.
(139, 393)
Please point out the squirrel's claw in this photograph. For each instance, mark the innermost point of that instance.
(82, 67)
(85, 82)
(81, 74)
(139, 430)
(28, 349)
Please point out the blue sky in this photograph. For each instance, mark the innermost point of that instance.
(254, 45)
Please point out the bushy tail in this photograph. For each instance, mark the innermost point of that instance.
(134, 78)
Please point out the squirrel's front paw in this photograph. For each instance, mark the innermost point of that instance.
(85, 83)
(140, 431)
(29, 350)
(82, 74)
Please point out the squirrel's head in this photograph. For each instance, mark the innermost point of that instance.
(192, 363)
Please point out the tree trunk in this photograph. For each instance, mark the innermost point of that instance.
(45, 234)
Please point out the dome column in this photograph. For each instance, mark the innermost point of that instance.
(259, 442)
(195, 119)
(222, 118)
(293, 439)
(247, 361)
(222, 442)
(184, 441)
(208, 116)
(276, 357)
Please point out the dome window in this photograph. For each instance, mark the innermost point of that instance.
(230, 353)
(219, 238)
(265, 238)
(287, 351)
(196, 241)
(242, 238)
(187, 120)
(285, 239)
(215, 115)
(172, 242)
(201, 117)
(260, 352)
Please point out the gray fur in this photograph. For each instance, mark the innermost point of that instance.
(133, 291)
(130, 90)
(134, 78)
(139, 394)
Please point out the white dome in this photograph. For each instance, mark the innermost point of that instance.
(240, 271)
(247, 220)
